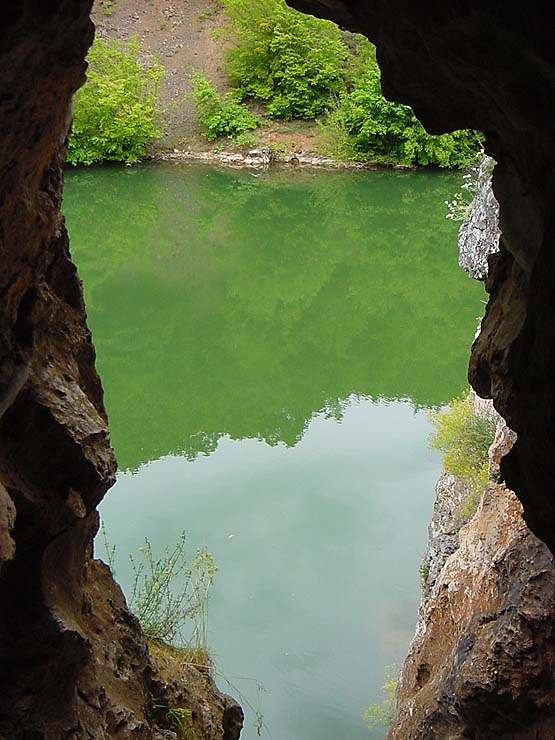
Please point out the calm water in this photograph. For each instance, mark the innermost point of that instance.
(270, 344)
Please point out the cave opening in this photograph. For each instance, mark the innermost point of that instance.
(56, 464)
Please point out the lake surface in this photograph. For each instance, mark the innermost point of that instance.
(270, 344)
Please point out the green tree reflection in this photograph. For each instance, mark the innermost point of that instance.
(229, 302)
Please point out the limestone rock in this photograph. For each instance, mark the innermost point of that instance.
(212, 715)
(443, 532)
(479, 232)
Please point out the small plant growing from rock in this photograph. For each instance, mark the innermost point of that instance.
(459, 206)
(464, 437)
(179, 720)
(168, 594)
(381, 715)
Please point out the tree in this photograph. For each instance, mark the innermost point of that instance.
(290, 61)
(115, 115)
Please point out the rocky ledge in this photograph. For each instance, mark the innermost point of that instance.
(479, 233)
(263, 157)
(481, 664)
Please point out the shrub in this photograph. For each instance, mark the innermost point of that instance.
(167, 594)
(381, 715)
(220, 115)
(290, 61)
(372, 126)
(115, 115)
(464, 438)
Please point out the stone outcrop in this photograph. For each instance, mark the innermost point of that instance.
(452, 495)
(443, 532)
(482, 662)
(479, 232)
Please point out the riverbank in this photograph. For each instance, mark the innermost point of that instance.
(265, 157)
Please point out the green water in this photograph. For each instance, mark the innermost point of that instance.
(269, 345)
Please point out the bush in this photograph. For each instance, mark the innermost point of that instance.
(464, 438)
(115, 115)
(381, 715)
(372, 127)
(220, 116)
(300, 67)
(290, 61)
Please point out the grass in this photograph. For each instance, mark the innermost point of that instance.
(170, 599)
(168, 595)
(179, 720)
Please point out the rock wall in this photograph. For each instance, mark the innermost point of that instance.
(482, 662)
(73, 660)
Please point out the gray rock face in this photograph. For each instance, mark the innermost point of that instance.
(481, 662)
(449, 507)
(443, 532)
(479, 233)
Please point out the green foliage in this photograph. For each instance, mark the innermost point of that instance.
(424, 574)
(177, 719)
(245, 140)
(300, 67)
(289, 61)
(220, 116)
(464, 438)
(381, 715)
(366, 125)
(115, 114)
(167, 594)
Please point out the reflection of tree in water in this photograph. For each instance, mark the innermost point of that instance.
(227, 304)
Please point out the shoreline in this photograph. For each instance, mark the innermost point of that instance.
(263, 157)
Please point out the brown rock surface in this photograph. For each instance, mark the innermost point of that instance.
(482, 663)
